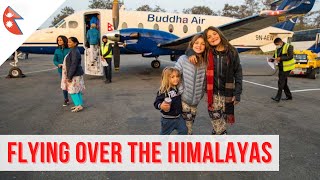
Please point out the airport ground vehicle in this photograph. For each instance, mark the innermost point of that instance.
(307, 63)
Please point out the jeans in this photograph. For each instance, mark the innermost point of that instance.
(168, 125)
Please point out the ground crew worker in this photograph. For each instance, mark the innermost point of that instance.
(106, 52)
(283, 55)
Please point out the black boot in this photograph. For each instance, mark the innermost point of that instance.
(287, 98)
(277, 99)
(213, 132)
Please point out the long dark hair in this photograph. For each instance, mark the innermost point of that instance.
(224, 41)
(201, 58)
(75, 40)
(65, 41)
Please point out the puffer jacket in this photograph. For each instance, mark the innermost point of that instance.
(220, 72)
(193, 80)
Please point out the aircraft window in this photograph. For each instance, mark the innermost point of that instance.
(60, 23)
(64, 25)
(185, 28)
(300, 57)
(140, 25)
(171, 28)
(198, 28)
(73, 24)
(124, 25)
(156, 26)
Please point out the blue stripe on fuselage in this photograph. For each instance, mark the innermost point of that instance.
(51, 49)
(43, 49)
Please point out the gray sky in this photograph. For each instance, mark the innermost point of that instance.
(168, 5)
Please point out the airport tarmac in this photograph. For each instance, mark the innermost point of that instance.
(33, 106)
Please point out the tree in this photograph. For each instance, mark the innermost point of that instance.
(204, 10)
(144, 8)
(266, 4)
(248, 8)
(231, 11)
(317, 19)
(148, 8)
(252, 7)
(102, 4)
(66, 11)
(158, 9)
(308, 21)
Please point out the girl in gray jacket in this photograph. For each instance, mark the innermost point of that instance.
(193, 80)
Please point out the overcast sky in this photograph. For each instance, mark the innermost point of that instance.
(168, 5)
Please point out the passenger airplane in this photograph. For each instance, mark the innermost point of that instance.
(153, 34)
(307, 39)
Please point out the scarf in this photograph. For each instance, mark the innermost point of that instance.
(229, 86)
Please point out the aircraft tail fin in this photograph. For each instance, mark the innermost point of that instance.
(294, 6)
(275, 4)
(287, 25)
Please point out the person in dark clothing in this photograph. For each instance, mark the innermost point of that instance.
(72, 75)
(106, 51)
(224, 79)
(283, 56)
(168, 101)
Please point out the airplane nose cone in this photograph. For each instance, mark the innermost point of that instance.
(113, 35)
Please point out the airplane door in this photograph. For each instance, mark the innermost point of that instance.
(92, 61)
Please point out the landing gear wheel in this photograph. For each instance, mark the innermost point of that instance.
(15, 72)
(312, 74)
(155, 64)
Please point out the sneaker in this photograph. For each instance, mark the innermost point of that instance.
(66, 103)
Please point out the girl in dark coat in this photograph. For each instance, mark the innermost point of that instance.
(224, 79)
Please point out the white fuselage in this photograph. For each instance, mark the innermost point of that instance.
(180, 24)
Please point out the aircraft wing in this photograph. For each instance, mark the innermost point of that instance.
(251, 24)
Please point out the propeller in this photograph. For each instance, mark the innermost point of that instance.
(116, 49)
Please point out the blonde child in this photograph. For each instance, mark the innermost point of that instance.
(168, 101)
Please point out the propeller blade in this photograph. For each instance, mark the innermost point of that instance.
(115, 14)
(116, 56)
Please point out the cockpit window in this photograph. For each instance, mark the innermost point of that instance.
(64, 25)
(61, 24)
(73, 24)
